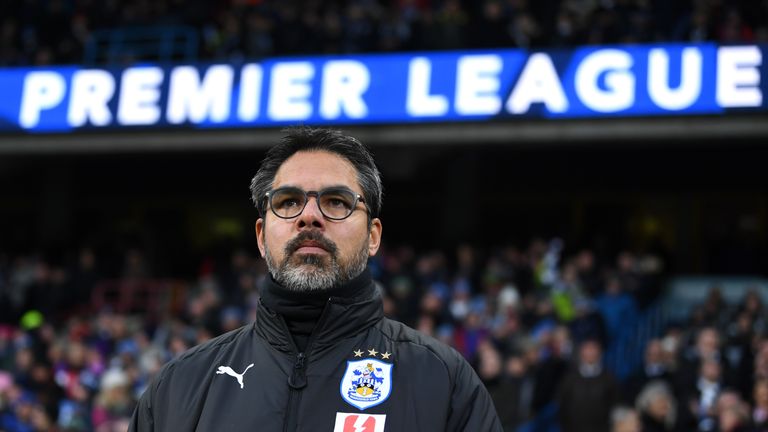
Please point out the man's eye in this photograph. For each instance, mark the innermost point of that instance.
(288, 203)
(336, 202)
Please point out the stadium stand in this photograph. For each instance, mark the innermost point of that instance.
(44, 32)
(80, 339)
(78, 348)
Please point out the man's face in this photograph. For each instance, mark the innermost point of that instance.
(653, 353)
(590, 353)
(310, 252)
(708, 342)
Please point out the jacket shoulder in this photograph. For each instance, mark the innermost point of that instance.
(400, 333)
(203, 354)
(176, 389)
(470, 405)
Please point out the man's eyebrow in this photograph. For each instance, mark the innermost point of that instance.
(336, 186)
(340, 186)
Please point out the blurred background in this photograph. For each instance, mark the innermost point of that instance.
(559, 246)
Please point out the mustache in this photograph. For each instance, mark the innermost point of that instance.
(314, 236)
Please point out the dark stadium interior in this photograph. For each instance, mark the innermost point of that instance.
(94, 31)
(703, 205)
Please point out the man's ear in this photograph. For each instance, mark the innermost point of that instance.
(374, 237)
(260, 235)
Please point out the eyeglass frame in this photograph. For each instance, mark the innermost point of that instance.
(307, 194)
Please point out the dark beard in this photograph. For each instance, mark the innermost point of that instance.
(309, 272)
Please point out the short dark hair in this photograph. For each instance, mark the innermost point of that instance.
(298, 139)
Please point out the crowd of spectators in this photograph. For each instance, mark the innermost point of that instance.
(536, 324)
(41, 32)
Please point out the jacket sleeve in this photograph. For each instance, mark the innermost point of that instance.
(142, 419)
(472, 409)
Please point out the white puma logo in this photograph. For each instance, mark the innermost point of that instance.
(228, 370)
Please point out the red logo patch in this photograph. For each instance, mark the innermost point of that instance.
(348, 422)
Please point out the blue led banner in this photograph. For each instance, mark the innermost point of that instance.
(588, 82)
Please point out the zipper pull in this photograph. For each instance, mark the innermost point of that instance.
(298, 378)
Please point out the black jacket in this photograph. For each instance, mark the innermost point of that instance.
(361, 373)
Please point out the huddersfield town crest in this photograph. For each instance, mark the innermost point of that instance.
(366, 383)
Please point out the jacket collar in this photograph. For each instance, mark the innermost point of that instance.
(342, 316)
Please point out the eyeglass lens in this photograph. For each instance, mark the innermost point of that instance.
(334, 203)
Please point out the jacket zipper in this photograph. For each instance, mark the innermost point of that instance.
(298, 378)
(296, 381)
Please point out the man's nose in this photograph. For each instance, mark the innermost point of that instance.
(311, 217)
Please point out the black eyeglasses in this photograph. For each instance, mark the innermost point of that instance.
(335, 203)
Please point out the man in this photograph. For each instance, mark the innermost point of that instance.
(654, 368)
(588, 393)
(320, 355)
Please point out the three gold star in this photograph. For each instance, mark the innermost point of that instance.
(372, 352)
